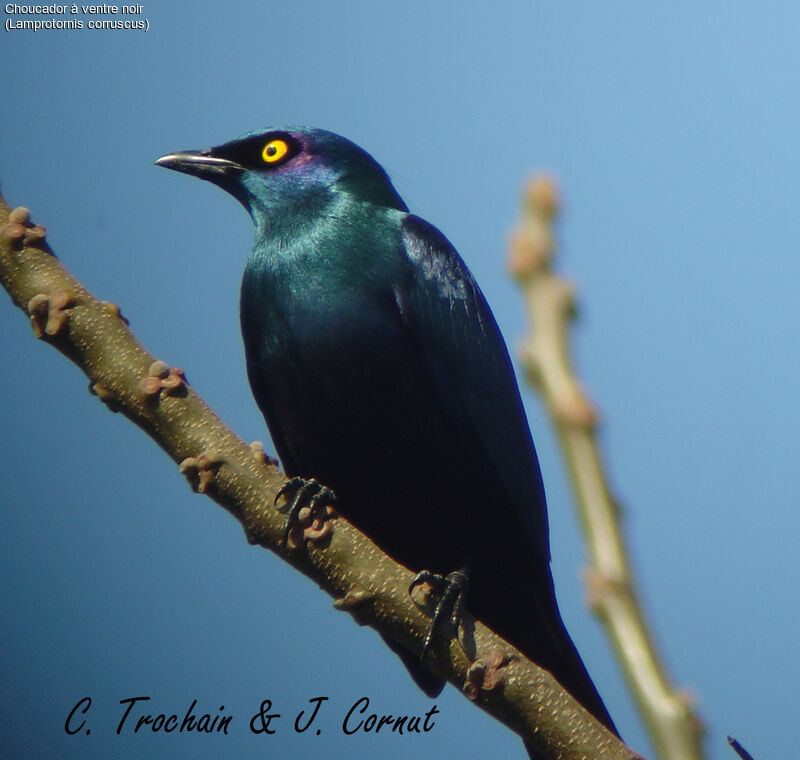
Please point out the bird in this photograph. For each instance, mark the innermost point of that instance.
(382, 374)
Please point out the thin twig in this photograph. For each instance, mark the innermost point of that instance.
(739, 749)
(675, 729)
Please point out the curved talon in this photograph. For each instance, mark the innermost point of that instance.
(290, 485)
(309, 495)
(452, 590)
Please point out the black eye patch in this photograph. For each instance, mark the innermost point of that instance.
(249, 152)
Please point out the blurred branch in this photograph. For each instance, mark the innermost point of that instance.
(674, 728)
(344, 562)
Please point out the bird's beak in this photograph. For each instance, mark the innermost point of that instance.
(200, 163)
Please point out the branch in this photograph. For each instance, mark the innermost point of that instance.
(739, 749)
(344, 562)
(675, 729)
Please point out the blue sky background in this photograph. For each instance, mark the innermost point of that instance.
(673, 130)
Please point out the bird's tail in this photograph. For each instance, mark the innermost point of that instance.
(565, 664)
(556, 653)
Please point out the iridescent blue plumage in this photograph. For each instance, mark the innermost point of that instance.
(381, 372)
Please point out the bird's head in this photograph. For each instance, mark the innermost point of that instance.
(270, 170)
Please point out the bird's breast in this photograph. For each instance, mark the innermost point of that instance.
(349, 400)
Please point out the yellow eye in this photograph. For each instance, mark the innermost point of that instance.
(274, 151)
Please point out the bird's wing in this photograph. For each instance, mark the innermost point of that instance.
(446, 314)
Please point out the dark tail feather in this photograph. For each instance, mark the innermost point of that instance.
(574, 677)
(558, 654)
(429, 683)
(532, 753)
(571, 673)
(553, 650)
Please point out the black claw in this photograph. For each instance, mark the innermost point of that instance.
(452, 591)
(302, 492)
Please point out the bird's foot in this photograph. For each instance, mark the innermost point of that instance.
(452, 593)
(309, 506)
